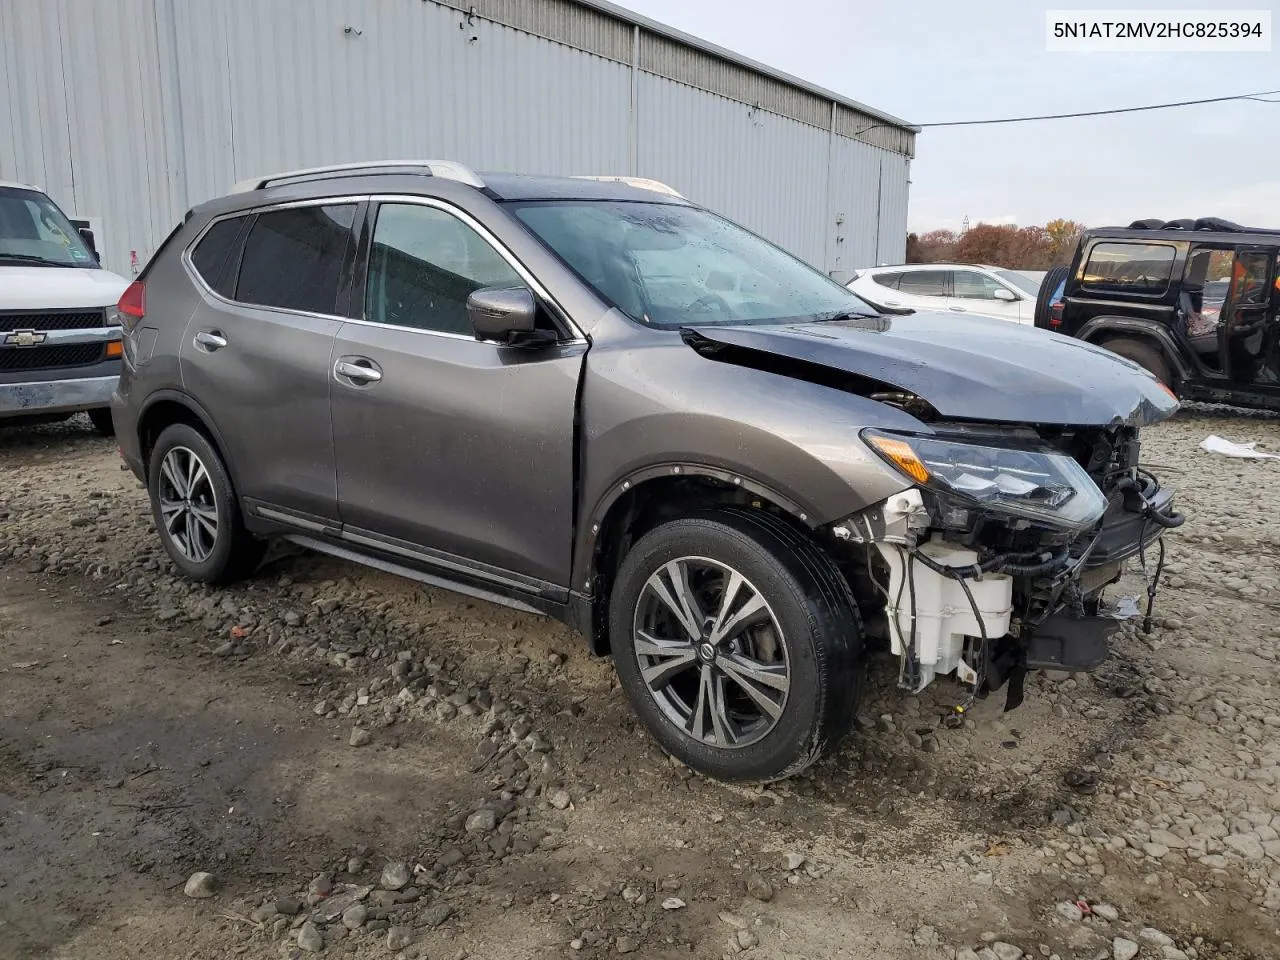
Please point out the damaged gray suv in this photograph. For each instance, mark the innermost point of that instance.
(591, 399)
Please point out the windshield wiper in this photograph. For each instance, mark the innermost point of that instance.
(32, 258)
(839, 315)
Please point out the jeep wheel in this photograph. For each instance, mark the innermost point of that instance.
(738, 644)
(1144, 355)
(195, 509)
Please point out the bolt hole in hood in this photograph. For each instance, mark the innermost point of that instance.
(967, 368)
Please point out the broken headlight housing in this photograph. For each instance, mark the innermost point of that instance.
(1042, 486)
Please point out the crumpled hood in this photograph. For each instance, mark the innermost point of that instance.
(56, 288)
(967, 368)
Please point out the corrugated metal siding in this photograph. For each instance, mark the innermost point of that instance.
(134, 111)
(861, 126)
(764, 171)
(561, 20)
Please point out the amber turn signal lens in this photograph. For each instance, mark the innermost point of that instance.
(900, 454)
(114, 349)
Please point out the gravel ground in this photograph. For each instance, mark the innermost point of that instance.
(330, 760)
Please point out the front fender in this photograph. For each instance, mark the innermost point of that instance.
(662, 409)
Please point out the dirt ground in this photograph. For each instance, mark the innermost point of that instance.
(370, 769)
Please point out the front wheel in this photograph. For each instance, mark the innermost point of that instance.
(738, 643)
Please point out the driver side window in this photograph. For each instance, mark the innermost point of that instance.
(970, 285)
(423, 264)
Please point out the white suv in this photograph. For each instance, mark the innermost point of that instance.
(958, 287)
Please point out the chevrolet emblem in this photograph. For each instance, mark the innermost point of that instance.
(24, 338)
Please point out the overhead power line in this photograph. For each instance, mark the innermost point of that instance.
(1103, 113)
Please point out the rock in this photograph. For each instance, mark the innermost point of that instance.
(399, 937)
(354, 916)
(395, 876)
(1122, 949)
(264, 913)
(1157, 851)
(1006, 951)
(1069, 911)
(359, 737)
(1168, 839)
(1247, 845)
(483, 820)
(625, 944)
(1154, 936)
(288, 906)
(758, 888)
(200, 886)
(560, 799)
(435, 915)
(320, 886)
(309, 938)
(793, 861)
(747, 939)
(673, 903)
(1106, 911)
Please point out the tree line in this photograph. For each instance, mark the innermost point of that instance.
(1015, 248)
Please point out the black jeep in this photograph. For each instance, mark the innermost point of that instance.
(1196, 302)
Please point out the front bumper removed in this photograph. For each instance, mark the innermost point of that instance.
(988, 619)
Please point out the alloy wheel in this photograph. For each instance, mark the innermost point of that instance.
(188, 505)
(711, 652)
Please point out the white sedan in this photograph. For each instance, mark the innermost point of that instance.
(954, 287)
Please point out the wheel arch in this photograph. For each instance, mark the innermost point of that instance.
(1098, 330)
(644, 498)
(166, 407)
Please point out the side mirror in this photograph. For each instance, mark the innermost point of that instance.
(1006, 295)
(504, 314)
(87, 236)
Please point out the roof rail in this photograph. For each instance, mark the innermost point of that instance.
(1214, 224)
(643, 183)
(446, 169)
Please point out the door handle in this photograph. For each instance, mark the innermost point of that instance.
(210, 340)
(892, 303)
(358, 371)
(959, 309)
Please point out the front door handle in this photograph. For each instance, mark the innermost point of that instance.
(958, 309)
(358, 370)
(210, 340)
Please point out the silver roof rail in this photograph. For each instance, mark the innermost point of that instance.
(643, 183)
(445, 169)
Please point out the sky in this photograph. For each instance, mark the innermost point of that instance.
(939, 60)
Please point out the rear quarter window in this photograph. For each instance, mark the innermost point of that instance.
(890, 280)
(1132, 268)
(212, 255)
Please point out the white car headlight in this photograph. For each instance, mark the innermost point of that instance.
(1047, 487)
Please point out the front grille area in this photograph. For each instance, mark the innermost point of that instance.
(42, 358)
(52, 320)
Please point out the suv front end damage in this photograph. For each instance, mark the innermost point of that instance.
(994, 562)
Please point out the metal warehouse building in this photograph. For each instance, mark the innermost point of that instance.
(129, 112)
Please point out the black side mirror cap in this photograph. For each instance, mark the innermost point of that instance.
(87, 236)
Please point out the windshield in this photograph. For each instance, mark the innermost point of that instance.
(1029, 287)
(33, 230)
(670, 266)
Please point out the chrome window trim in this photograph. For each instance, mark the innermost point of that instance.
(576, 334)
(204, 287)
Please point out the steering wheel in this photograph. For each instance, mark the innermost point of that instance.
(711, 301)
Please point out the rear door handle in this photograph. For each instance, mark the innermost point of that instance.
(358, 370)
(210, 340)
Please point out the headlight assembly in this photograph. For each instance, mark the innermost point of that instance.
(1047, 487)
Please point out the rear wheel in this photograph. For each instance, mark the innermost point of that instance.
(1144, 354)
(738, 644)
(196, 511)
(101, 420)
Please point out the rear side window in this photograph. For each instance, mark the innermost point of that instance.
(213, 253)
(293, 258)
(970, 285)
(924, 283)
(890, 280)
(1142, 268)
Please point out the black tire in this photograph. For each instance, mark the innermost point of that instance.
(1144, 354)
(1047, 286)
(232, 551)
(101, 420)
(820, 633)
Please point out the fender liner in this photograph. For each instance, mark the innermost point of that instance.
(589, 530)
(1093, 331)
